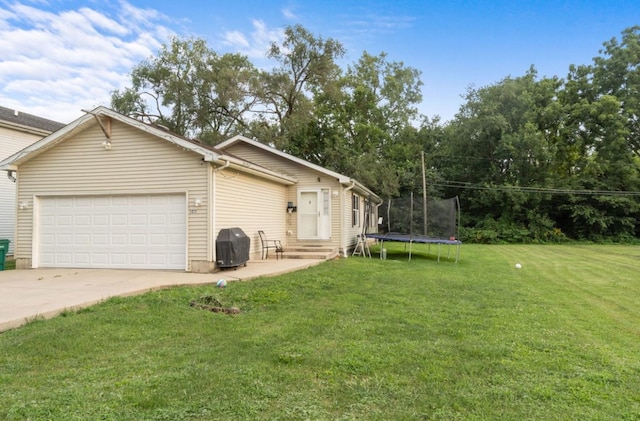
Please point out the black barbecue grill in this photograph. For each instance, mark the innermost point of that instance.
(232, 248)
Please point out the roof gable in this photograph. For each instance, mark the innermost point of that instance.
(343, 179)
(95, 117)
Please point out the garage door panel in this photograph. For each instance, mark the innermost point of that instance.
(142, 231)
(65, 220)
(138, 239)
(61, 257)
(100, 220)
(65, 203)
(117, 259)
(139, 219)
(83, 220)
(82, 239)
(64, 240)
(82, 258)
(119, 220)
(120, 240)
(124, 201)
(83, 202)
(99, 239)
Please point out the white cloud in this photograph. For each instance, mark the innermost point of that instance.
(236, 39)
(55, 63)
(256, 44)
(289, 14)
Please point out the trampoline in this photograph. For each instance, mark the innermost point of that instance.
(408, 238)
(439, 220)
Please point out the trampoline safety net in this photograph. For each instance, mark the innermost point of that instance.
(407, 215)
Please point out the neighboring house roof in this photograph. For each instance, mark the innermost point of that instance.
(343, 179)
(27, 122)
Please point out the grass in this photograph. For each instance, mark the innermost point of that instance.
(354, 338)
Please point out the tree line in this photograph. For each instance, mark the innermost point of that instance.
(532, 159)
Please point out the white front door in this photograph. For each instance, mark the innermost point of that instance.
(314, 214)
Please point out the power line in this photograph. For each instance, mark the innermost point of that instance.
(519, 189)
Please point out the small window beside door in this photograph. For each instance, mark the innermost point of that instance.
(369, 216)
(355, 210)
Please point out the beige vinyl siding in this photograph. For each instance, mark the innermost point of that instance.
(11, 141)
(138, 163)
(306, 179)
(252, 204)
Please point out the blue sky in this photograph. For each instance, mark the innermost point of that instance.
(58, 57)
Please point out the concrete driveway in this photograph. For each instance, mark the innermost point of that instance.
(45, 293)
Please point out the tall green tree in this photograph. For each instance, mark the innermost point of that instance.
(373, 110)
(192, 90)
(505, 135)
(306, 65)
(603, 129)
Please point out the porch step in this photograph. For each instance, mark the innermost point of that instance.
(307, 252)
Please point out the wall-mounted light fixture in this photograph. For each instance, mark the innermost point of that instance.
(23, 205)
(107, 144)
(197, 202)
(291, 207)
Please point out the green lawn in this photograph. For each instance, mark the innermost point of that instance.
(353, 338)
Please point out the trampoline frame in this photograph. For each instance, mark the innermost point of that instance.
(410, 239)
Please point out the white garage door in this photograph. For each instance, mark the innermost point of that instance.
(122, 232)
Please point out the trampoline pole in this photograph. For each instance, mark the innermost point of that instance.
(424, 195)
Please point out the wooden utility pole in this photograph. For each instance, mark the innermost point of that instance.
(424, 193)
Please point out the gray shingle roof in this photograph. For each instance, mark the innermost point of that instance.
(29, 120)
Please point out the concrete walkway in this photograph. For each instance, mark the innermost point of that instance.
(44, 293)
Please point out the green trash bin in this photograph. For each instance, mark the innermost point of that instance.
(4, 249)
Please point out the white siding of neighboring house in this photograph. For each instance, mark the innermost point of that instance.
(250, 203)
(11, 141)
(138, 163)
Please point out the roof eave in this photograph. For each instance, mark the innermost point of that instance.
(362, 189)
(24, 128)
(246, 167)
(239, 138)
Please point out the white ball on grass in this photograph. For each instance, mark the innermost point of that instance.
(518, 266)
(221, 283)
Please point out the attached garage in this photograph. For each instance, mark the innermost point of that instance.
(121, 231)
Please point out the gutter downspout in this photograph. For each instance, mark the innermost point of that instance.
(212, 213)
(226, 164)
(10, 175)
(343, 242)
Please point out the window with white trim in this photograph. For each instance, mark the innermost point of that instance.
(355, 210)
(369, 216)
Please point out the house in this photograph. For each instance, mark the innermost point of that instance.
(17, 130)
(108, 191)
